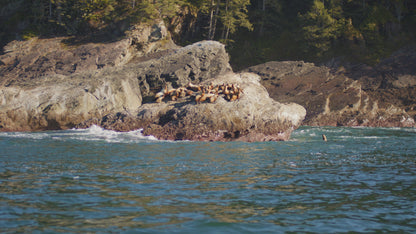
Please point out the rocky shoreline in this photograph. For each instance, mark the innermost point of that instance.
(50, 84)
(334, 95)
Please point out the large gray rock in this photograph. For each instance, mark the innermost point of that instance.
(253, 117)
(64, 102)
(50, 100)
(47, 84)
(194, 63)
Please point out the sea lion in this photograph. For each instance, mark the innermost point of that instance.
(170, 91)
(165, 90)
(231, 92)
(324, 137)
(239, 95)
(160, 94)
(233, 97)
(159, 99)
(221, 88)
(193, 87)
(213, 98)
(210, 87)
(197, 98)
(182, 92)
(226, 91)
(203, 97)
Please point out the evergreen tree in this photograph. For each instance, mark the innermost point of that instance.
(321, 27)
(234, 15)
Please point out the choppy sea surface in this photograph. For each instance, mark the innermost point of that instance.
(94, 180)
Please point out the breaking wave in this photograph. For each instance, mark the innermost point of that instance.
(93, 133)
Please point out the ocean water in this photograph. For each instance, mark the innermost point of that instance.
(94, 180)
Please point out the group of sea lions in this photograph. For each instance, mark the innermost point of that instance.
(200, 93)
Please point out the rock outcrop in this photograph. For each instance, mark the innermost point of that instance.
(62, 102)
(194, 63)
(338, 97)
(36, 60)
(253, 117)
(56, 101)
(49, 84)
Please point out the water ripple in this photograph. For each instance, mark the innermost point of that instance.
(361, 180)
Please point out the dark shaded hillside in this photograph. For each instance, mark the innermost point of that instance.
(317, 31)
(255, 31)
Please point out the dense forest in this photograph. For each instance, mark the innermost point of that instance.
(254, 31)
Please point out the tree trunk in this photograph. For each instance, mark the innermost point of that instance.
(211, 19)
(226, 27)
(50, 9)
(59, 8)
(214, 27)
(263, 18)
(398, 5)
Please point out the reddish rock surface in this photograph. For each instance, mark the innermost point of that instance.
(357, 96)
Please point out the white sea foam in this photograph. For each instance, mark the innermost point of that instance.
(409, 129)
(93, 133)
(363, 137)
(29, 135)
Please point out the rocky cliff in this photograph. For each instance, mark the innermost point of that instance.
(352, 95)
(58, 84)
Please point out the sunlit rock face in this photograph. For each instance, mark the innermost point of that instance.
(355, 96)
(253, 117)
(47, 84)
(59, 83)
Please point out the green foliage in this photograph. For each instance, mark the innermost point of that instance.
(254, 30)
(96, 10)
(28, 34)
(321, 27)
(235, 15)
